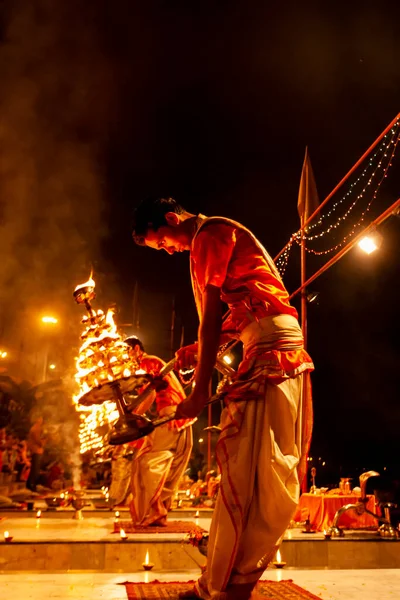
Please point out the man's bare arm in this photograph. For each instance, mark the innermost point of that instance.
(209, 337)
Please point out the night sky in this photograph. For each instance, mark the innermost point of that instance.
(214, 103)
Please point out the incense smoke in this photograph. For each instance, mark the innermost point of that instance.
(55, 100)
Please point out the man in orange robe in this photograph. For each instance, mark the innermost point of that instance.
(267, 420)
(161, 457)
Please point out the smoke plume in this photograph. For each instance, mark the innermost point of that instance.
(55, 102)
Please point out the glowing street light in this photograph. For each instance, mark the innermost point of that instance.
(49, 319)
(371, 242)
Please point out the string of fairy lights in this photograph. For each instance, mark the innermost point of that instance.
(369, 180)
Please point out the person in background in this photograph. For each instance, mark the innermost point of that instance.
(121, 470)
(36, 444)
(22, 463)
(161, 458)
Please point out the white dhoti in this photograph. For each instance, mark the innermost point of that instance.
(120, 479)
(258, 452)
(156, 470)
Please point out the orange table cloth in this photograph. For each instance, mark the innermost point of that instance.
(321, 509)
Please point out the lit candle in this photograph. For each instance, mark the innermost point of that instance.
(197, 514)
(278, 562)
(38, 514)
(147, 565)
(116, 515)
(123, 535)
(7, 537)
(327, 534)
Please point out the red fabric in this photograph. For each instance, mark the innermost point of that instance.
(265, 590)
(225, 254)
(170, 396)
(321, 509)
(170, 527)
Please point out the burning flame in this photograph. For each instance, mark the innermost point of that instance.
(122, 533)
(89, 283)
(278, 556)
(147, 559)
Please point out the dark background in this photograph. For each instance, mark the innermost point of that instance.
(213, 103)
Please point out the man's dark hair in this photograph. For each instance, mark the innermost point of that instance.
(133, 341)
(150, 214)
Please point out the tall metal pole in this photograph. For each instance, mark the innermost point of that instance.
(303, 315)
(45, 361)
(209, 424)
(303, 278)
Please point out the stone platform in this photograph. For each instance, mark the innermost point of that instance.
(58, 543)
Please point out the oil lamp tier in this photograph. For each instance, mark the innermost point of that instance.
(106, 372)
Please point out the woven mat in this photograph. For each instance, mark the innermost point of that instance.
(170, 527)
(266, 590)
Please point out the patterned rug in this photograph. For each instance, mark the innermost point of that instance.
(170, 527)
(266, 590)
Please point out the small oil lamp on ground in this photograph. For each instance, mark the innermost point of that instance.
(278, 562)
(78, 503)
(7, 537)
(38, 514)
(122, 535)
(147, 565)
